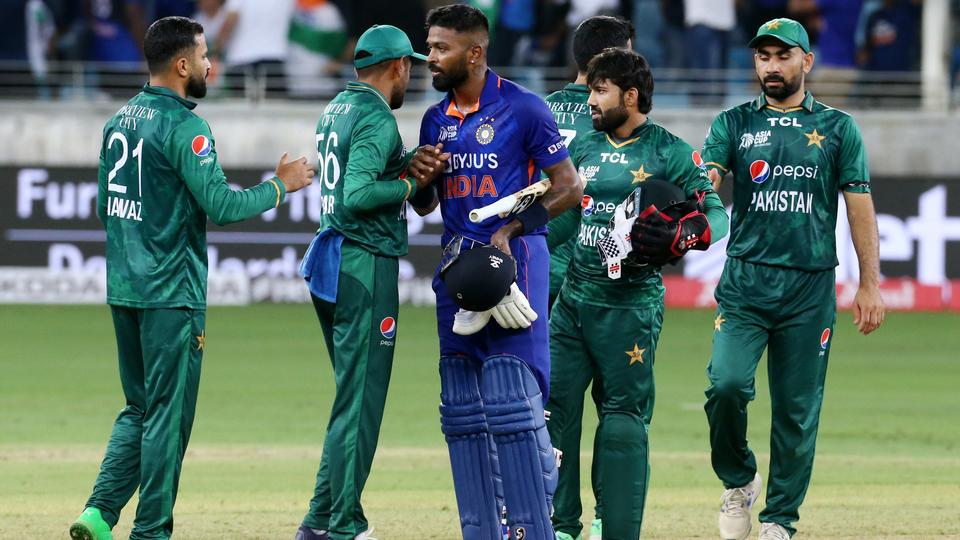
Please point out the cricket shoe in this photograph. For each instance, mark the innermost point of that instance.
(90, 526)
(735, 506)
(596, 530)
(565, 536)
(306, 533)
(773, 531)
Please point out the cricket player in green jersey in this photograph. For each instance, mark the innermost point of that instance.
(159, 180)
(572, 114)
(610, 322)
(790, 156)
(352, 270)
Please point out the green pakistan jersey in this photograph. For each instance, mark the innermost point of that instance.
(159, 179)
(572, 114)
(362, 167)
(788, 166)
(612, 171)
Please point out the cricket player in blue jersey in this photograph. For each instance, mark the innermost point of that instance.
(495, 138)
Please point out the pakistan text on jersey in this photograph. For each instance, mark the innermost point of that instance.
(781, 201)
(123, 208)
(589, 234)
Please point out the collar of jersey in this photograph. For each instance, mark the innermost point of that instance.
(164, 91)
(574, 87)
(634, 135)
(807, 104)
(490, 93)
(357, 86)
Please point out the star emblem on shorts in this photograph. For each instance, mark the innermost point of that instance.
(718, 322)
(640, 175)
(814, 139)
(636, 355)
(201, 340)
(773, 25)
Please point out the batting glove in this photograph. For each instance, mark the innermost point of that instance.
(466, 323)
(514, 310)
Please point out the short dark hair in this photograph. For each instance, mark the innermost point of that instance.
(626, 69)
(458, 17)
(168, 37)
(598, 33)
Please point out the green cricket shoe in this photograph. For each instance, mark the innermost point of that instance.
(596, 530)
(565, 536)
(90, 526)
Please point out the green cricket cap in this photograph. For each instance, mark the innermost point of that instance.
(783, 29)
(382, 42)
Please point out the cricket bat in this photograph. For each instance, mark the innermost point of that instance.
(511, 204)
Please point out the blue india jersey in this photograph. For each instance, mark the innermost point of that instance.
(498, 146)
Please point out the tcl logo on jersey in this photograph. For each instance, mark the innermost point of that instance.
(825, 338)
(388, 327)
(201, 146)
(613, 157)
(759, 171)
(784, 121)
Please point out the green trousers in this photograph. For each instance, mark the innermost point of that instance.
(615, 348)
(791, 313)
(360, 333)
(160, 352)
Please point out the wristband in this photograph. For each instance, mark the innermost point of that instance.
(534, 217)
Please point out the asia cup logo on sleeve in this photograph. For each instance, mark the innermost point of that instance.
(825, 338)
(759, 171)
(586, 203)
(201, 145)
(388, 327)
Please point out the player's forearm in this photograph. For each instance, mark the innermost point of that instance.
(565, 190)
(716, 216)
(425, 200)
(367, 195)
(225, 206)
(863, 229)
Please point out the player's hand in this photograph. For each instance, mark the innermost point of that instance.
(715, 178)
(426, 164)
(296, 174)
(655, 237)
(514, 310)
(501, 238)
(467, 323)
(869, 310)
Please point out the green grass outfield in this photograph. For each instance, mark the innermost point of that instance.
(888, 464)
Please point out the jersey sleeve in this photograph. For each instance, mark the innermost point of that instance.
(853, 173)
(372, 142)
(541, 141)
(428, 129)
(717, 147)
(191, 151)
(695, 183)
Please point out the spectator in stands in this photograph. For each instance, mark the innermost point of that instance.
(253, 43)
(708, 23)
(512, 31)
(836, 71)
(892, 41)
(318, 36)
(173, 8)
(407, 15)
(212, 15)
(757, 12)
(118, 27)
(673, 34)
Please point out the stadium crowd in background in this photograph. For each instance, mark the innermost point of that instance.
(250, 39)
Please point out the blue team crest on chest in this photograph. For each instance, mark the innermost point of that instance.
(485, 133)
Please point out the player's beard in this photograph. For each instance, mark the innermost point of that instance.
(396, 97)
(611, 119)
(197, 86)
(447, 80)
(786, 89)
